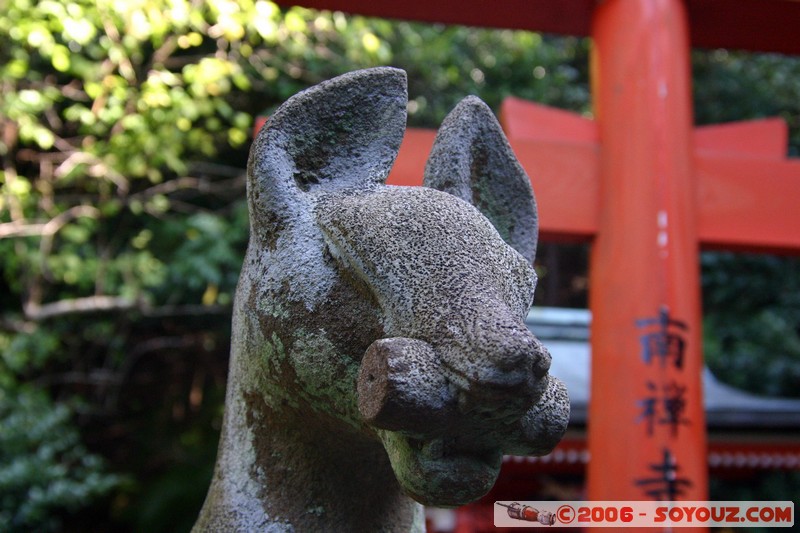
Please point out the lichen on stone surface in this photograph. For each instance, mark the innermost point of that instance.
(325, 376)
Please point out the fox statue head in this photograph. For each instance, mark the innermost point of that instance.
(379, 349)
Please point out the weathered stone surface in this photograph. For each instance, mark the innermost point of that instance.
(471, 159)
(379, 347)
(402, 387)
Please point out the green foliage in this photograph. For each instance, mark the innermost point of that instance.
(116, 201)
(739, 86)
(44, 468)
(751, 302)
(779, 486)
(171, 500)
(446, 63)
(752, 324)
(204, 251)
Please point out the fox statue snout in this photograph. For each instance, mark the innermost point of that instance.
(379, 346)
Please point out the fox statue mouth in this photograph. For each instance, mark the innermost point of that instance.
(436, 472)
(446, 443)
(453, 471)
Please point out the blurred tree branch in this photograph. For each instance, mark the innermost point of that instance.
(114, 304)
(90, 304)
(46, 229)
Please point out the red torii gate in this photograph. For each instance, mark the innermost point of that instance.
(648, 190)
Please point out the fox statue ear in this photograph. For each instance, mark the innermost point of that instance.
(341, 134)
(471, 159)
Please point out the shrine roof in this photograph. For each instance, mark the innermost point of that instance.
(754, 25)
(565, 332)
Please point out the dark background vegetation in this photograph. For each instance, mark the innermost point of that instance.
(124, 130)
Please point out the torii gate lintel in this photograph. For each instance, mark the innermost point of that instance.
(745, 184)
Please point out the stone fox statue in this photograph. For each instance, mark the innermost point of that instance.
(379, 354)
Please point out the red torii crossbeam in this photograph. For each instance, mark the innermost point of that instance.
(648, 190)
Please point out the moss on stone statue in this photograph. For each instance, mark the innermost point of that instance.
(327, 378)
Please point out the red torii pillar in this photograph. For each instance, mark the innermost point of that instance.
(646, 418)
